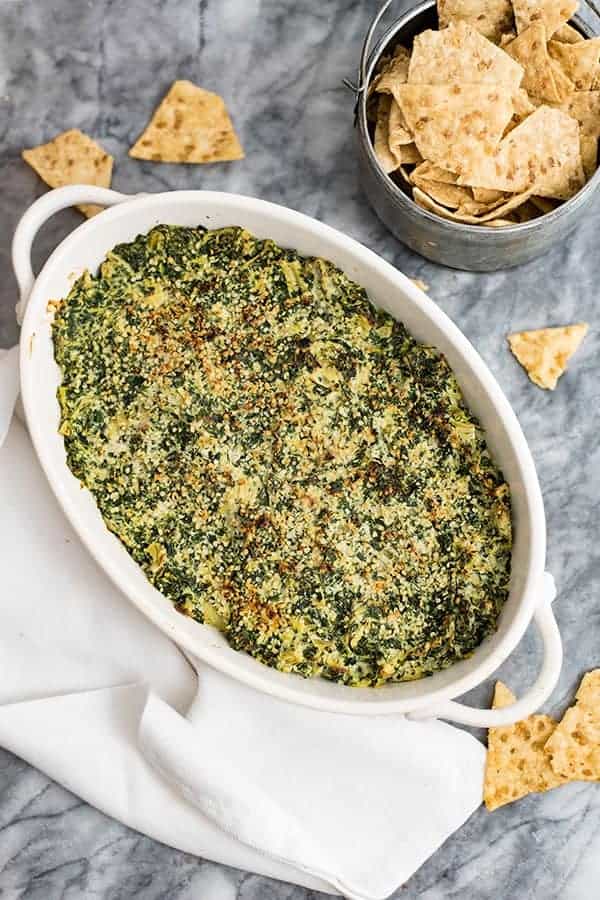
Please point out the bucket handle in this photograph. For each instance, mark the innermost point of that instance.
(537, 693)
(361, 84)
(34, 218)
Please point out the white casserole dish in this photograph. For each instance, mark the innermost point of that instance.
(531, 592)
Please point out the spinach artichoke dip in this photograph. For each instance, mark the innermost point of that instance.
(284, 461)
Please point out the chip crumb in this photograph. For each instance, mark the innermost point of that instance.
(420, 284)
(574, 748)
(516, 764)
(72, 158)
(544, 353)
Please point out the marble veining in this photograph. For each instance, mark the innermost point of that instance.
(102, 66)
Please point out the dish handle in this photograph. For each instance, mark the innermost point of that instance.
(34, 218)
(535, 696)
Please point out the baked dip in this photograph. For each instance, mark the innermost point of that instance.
(284, 461)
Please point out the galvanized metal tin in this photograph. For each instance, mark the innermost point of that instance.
(474, 248)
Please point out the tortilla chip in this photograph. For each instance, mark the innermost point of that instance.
(450, 195)
(522, 104)
(491, 18)
(72, 158)
(464, 214)
(395, 72)
(460, 54)
(543, 151)
(544, 353)
(382, 64)
(564, 85)
(472, 212)
(553, 13)
(589, 154)
(455, 126)
(522, 107)
(579, 62)
(529, 49)
(585, 107)
(484, 195)
(516, 764)
(408, 155)
(526, 212)
(574, 748)
(567, 34)
(398, 133)
(434, 173)
(381, 143)
(190, 125)
(543, 204)
(401, 176)
(496, 208)
(371, 107)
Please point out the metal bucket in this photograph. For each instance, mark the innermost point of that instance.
(474, 248)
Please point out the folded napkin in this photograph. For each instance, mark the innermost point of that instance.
(95, 696)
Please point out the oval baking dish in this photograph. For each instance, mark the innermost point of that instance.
(129, 216)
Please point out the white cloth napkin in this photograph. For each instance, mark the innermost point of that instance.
(93, 695)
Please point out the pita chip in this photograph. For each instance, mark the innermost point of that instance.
(567, 34)
(585, 107)
(589, 154)
(564, 85)
(526, 211)
(543, 151)
(401, 176)
(395, 72)
(398, 133)
(516, 764)
(470, 213)
(408, 155)
(434, 173)
(491, 18)
(529, 49)
(483, 195)
(543, 204)
(190, 125)
(461, 54)
(72, 158)
(574, 747)
(544, 353)
(450, 195)
(523, 106)
(454, 126)
(381, 142)
(579, 62)
(552, 13)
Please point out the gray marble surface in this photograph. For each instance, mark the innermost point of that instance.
(101, 66)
